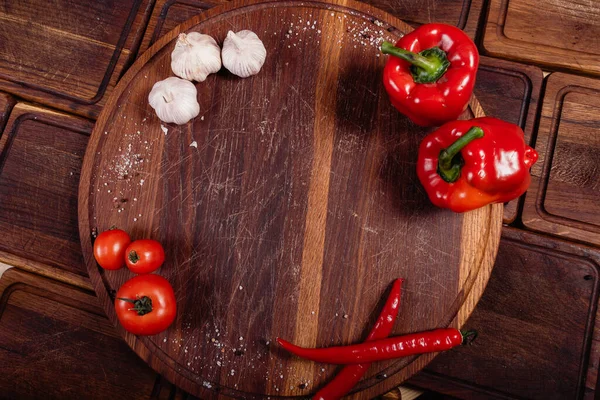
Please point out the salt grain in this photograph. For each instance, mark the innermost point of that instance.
(194, 144)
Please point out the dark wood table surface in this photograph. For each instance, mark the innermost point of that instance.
(540, 338)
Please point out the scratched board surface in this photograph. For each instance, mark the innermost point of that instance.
(287, 207)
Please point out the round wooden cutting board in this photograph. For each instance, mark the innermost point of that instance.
(286, 208)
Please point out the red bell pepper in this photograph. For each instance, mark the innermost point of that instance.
(431, 74)
(465, 165)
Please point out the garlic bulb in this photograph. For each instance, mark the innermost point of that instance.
(243, 53)
(195, 56)
(174, 100)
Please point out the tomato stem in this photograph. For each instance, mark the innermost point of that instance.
(133, 257)
(142, 305)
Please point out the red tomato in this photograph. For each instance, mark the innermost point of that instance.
(145, 305)
(109, 248)
(144, 256)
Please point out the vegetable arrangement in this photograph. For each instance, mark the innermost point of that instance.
(349, 376)
(377, 347)
(196, 56)
(464, 165)
(145, 304)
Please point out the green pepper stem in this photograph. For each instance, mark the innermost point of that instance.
(468, 336)
(413, 58)
(142, 305)
(449, 162)
(427, 66)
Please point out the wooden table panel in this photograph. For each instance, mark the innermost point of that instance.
(536, 324)
(465, 14)
(70, 54)
(57, 341)
(510, 91)
(565, 192)
(6, 104)
(563, 36)
(40, 161)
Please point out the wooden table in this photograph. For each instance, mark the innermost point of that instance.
(540, 337)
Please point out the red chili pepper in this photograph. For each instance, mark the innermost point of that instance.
(465, 165)
(431, 76)
(384, 349)
(349, 376)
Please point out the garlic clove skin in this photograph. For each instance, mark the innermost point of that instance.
(243, 53)
(195, 56)
(174, 100)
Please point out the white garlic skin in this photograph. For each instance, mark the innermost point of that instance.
(195, 56)
(174, 100)
(243, 53)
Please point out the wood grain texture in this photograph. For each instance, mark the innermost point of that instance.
(71, 54)
(41, 153)
(465, 14)
(563, 36)
(301, 172)
(563, 198)
(538, 324)
(510, 91)
(6, 104)
(57, 344)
